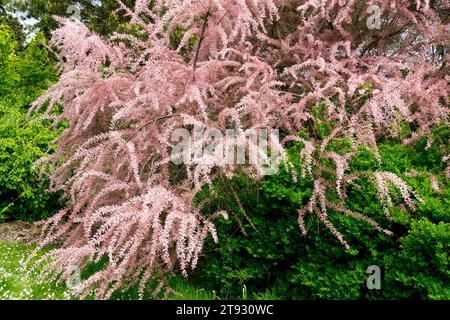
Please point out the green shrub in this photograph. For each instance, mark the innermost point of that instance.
(274, 258)
(25, 75)
(421, 266)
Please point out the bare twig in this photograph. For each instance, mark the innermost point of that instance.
(155, 120)
(202, 36)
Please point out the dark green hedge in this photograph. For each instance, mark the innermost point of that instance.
(275, 261)
(25, 74)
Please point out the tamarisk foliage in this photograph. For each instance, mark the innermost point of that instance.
(245, 64)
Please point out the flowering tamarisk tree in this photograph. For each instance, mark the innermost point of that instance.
(246, 64)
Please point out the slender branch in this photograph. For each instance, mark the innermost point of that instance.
(51, 51)
(151, 122)
(155, 120)
(202, 36)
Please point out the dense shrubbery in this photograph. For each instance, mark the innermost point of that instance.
(24, 76)
(275, 261)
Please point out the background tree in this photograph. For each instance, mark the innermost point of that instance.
(99, 15)
(7, 19)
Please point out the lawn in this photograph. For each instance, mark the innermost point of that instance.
(19, 282)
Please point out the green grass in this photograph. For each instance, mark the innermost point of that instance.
(17, 283)
(188, 291)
